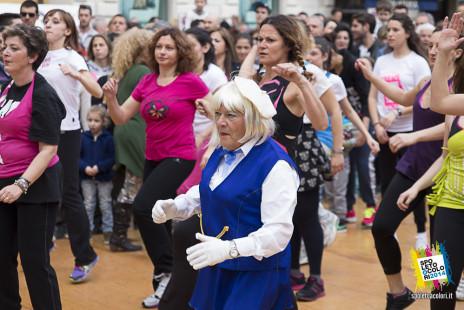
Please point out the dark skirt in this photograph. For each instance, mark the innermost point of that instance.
(223, 289)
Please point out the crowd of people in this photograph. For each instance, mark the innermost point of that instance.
(253, 129)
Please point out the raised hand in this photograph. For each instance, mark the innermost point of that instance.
(365, 66)
(110, 89)
(288, 71)
(449, 37)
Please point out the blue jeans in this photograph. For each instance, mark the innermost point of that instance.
(359, 161)
(89, 190)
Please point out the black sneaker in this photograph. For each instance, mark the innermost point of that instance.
(312, 290)
(298, 282)
(400, 301)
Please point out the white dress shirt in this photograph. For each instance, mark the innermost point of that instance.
(278, 201)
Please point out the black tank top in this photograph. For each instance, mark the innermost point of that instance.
(455, 128)
(287, 123)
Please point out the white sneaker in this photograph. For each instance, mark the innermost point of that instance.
(460, 290)
(329, 222)
(153, 300)
(421, 241)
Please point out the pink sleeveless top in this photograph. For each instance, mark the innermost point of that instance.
(16, 149)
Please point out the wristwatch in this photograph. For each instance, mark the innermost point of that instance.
(233, 252)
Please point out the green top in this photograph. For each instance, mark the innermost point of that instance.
(448, 191)
(129, 138)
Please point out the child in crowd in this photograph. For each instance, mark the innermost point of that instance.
(383, 12)
(95, 164)
(196, 14)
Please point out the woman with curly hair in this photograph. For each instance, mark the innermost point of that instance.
(224, 50)
(166, 101)
(129, 58)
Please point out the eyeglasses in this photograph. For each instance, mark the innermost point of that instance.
(24, 14)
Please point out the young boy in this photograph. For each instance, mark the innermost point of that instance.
(383, 13)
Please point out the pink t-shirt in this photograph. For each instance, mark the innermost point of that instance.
(169, 111)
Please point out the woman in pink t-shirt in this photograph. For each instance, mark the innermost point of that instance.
(166, 100)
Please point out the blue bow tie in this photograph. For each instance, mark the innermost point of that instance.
(230, 157)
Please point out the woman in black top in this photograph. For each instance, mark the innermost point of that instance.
(30, 119)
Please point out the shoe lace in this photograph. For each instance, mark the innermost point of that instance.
(369, 212)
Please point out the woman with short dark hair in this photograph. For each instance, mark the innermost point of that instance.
(30, 118)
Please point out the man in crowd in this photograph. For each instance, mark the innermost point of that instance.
(29, 12)
(86, 32)
(362, 27)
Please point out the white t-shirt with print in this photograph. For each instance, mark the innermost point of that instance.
(405, 73)
(65, 86)
(321, 85)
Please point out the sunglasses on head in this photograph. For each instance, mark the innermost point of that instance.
(24, 14)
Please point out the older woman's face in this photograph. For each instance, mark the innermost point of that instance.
(231, 128)
(15, 58)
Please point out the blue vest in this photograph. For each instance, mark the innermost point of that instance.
(236, 203)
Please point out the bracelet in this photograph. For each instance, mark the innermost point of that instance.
(23, 184)
(339, 151)
(400, 112)
(375, 124)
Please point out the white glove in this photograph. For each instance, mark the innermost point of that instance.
(164, 210)
(209, 252)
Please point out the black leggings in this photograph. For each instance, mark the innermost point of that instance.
(387, 161)
(160, 181)
(28, 229)
(449, 229)
(182, 284)
(72, 206)
(387, 220)
(307, 225)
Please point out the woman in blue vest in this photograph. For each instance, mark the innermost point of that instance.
(246, 197)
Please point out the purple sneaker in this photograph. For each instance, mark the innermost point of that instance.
(81, 272)
(298, 282)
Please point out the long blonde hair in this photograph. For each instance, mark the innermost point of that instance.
(128, 50)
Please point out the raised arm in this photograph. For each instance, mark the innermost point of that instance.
(246, 70)
(441, 100)
(85, 77)
(304, 95)
(396, 94)
(401, 140)
(119, 114)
